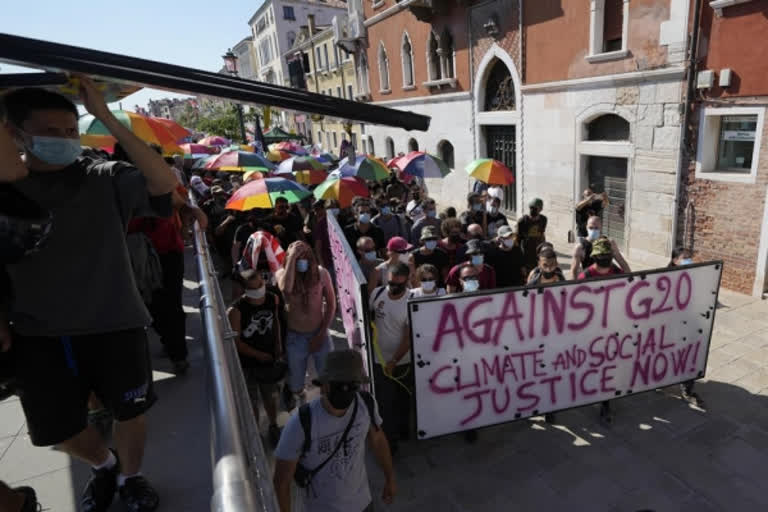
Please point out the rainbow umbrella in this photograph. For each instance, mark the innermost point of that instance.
(195, 151)
(490, 171)
(300, 163)
(394, 162)
(423, 165)
(326, 157)
(367, 167)
(288, 147)
(145, 128)
(214, 140)
(344, 190)
(175, 128)
(263, 193)
(311, 176)
(238, 161)
(252, 175)
(278, 156)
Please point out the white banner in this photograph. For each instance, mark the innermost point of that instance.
(487, 358)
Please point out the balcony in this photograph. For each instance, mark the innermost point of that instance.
(426, 10)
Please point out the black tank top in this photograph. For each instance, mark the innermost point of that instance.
(258, 324)
(586, 249)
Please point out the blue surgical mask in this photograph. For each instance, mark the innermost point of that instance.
(55, 150)
(478, 207)
(370, 255)
(430, 244)
(477, 259)
(386, 210)
(686, 261)
(364, 218)
(593, 234)
(431, 214)
(428, 286)
(471, 285)
(302, 265)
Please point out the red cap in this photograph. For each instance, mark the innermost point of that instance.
(398, 244)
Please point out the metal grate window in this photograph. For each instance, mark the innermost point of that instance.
(501, 146)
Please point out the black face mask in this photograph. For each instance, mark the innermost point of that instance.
(547, 275)
(477, 237)
(455, 238)
(534, 212)
(341, 394)
(396, 288)
(604, 262)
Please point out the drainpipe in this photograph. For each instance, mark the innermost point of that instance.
(689, 96)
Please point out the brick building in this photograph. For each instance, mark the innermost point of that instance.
(723, 209)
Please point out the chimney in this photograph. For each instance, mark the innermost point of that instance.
(311, 23)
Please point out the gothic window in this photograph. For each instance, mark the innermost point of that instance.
(383, 69)
(446, 55)
(434, 61)
(445, 150)
(499, 89)
(407, 62)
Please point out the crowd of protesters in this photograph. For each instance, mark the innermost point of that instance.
(125, 273)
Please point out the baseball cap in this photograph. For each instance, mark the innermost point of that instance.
(601, 247)
(536, 202)
(475, 247)
(398, 244)
(429, 233)
(505, 232)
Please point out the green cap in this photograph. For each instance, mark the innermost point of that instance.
(536, 202)
(601, 247)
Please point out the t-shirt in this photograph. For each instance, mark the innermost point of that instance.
(591, 272)
(81, 280)
(531, 233)
(199, 186)
(417, 293)
(395, 225)
(508, 266)
(487, 276)
(495, 221)
(456, 255)
(342, 484)
(353, 234)
(438, 258)
(289, 230)
(243, 233)
(258, 326)
(471, 217)
(390, 317)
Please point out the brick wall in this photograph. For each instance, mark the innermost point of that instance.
(508, 15)
(727, 219)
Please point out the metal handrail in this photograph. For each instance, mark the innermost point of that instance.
(241, 476)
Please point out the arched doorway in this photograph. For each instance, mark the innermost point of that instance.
(390, 147)
(497, 117)
(413, 145)
(371, 148)
(445, 152)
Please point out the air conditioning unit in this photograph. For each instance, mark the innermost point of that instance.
(705, 79)
(725, 77)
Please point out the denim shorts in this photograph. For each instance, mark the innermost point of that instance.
(297, 352)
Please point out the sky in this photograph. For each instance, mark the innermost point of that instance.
(193, 33)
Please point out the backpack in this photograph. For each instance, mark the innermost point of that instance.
(305, 418)
(145, 262)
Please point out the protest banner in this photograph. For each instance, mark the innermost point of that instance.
(491, 357)
(351, 291)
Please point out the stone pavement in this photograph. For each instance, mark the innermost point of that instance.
(177, 461)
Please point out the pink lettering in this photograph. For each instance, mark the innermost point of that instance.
(682, 304)
(551, 381)
(509, 302)
(659, 371)
(433, 385)
(462, 385)
(533, 400)
(584, 390)
(449, 324)
(479, 405)
(605, 378)
(576, 305)
(607, 292)
(492, 370)
(487, 323)
(557, 311)
(496, 407)
(645, 303)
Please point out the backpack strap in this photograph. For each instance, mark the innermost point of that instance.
(369, 404)
(376, 294)
(305, 418)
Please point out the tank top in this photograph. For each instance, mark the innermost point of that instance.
(586, 249)
(258, 325)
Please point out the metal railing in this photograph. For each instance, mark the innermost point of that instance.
(241, 476)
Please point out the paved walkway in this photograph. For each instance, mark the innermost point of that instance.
(178, 455)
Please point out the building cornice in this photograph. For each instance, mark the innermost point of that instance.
(422, 100)
(387, 13)
(671, 73)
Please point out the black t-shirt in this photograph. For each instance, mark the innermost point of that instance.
(508, 266)
(471, 217)
(289, 231)
(353, 234)
(243, 232)
(531, 232)
(258, 326)
(438, 258)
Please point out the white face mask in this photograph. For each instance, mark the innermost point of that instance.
(428, 286)
(508, 242)
(404, 257)
(256, 293)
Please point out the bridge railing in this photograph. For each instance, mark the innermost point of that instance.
(241, 475)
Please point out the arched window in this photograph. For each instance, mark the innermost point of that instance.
(371, 148)
(407, 52)
(390, 144)
(499, 88)
(413, 145)
(383, 69)
(434, 61)
(608, 127)
(446, 51)
(362, 74)
(445, 151)
(291, 36)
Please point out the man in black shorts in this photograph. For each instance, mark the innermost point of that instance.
(77, 322)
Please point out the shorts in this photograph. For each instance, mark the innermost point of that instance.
(297, 353)
(55, 376)
(255, 385)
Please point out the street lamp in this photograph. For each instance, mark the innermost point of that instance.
(230, 62)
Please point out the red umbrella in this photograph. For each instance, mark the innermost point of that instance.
(214, 140)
